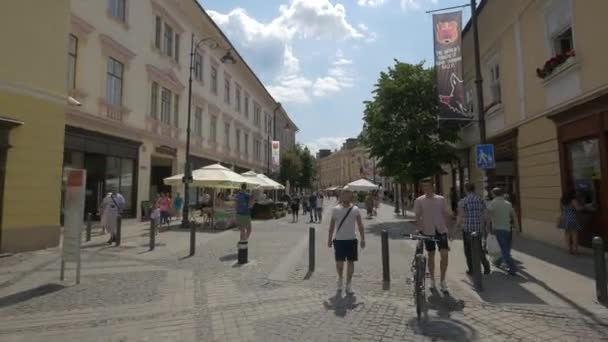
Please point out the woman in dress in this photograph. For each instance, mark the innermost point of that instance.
(569, 221)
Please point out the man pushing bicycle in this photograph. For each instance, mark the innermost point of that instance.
(432, 217)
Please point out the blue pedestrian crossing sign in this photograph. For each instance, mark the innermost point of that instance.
(484, 154)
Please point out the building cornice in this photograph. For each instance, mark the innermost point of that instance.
(163, 13)
(111, 47)
(166, 78)
(80, 27)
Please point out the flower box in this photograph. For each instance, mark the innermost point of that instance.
(553, 63)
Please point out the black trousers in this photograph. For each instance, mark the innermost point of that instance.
(468, 252)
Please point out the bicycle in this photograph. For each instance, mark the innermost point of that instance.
(419, 273)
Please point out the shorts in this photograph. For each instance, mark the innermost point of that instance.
(346, 250)
(243, 221)
(441, 243)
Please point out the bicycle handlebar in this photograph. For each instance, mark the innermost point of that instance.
(420, 237)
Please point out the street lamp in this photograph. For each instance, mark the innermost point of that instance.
(273, 124)
(227, 58)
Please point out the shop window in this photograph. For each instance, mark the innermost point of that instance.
(585, 170)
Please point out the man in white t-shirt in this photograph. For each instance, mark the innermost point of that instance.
(343, 219)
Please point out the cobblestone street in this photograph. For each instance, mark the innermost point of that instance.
(130, 294)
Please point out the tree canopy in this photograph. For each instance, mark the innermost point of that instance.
(298, 167)
(401, 126)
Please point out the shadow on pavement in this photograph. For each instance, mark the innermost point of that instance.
(395, 229)
(443, 329)
(444, 304)
(26, 295)
(308, 275)
(229, 257)
(582, 264)
(341, 304)
(502, 288)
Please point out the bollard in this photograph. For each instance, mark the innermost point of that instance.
(243, 252)
(192, 237)
(89, 226)
(599, 259)
(152, 234)
(386, 273)
(118, 230)
(311, 249)
(476, 260)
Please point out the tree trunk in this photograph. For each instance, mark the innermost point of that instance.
(403, 200)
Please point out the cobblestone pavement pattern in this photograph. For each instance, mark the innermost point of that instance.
(130, 294)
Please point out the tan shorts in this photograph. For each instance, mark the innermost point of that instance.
(243, 221)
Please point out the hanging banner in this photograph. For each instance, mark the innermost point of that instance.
(448, 64)
(276, 152)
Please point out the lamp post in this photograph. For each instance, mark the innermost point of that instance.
(188, 167)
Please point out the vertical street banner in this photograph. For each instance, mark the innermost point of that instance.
(276, 152)
(448, 64)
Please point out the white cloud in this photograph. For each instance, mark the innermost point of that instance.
(371, 3)
(407, 5)
(268, 46)
(332, 143)
(339, 77)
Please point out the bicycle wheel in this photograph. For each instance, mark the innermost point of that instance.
(419, 291)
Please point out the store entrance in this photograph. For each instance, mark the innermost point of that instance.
(161, 168)
(95, 164)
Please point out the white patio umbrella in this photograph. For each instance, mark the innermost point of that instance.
(254, 177)
(361, 185)
(213, 176)
(276, 185)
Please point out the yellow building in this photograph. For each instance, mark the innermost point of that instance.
(32, 120)
(549, 128)
(350, 163)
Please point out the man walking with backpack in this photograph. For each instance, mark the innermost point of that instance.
(346, 215)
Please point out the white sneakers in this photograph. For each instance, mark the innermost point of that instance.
(340, 286)
(444, 286)
(349, 288)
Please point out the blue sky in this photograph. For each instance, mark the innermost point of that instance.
(321, 58)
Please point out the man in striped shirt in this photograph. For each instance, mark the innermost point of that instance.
(472, 213)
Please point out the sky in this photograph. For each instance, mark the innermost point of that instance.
(321, 58)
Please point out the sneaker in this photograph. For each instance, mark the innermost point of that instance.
(433, 286)
(444, 286)
(339, 284)
(349, 288)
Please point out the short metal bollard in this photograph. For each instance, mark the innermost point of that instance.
(311, 249)
(89, 226)
(599, 259)
(386, 273)
(243, 252)
(118, 230)
(152, 234)
(476, 260)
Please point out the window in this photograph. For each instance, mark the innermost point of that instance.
(165, 106)
(246, 141)
(246, 106)
(158, 32)
(176, 111)
(237, 134)
(256, 114)
(176, 53)
(563, 42)
(213, 130)
(198, 122)
(265, 120)
(214, 80)
(585, 170)
(495, 91)
(154, 100)
(198, 66)
(168, 40)
(226, 90)
(237, 98)
(118, 9)
(114, 82)
(227, 135)
(72, 57)
(558, 26)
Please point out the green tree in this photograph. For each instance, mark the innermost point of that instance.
(401, 127)
(307, 175)
(291, 166)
